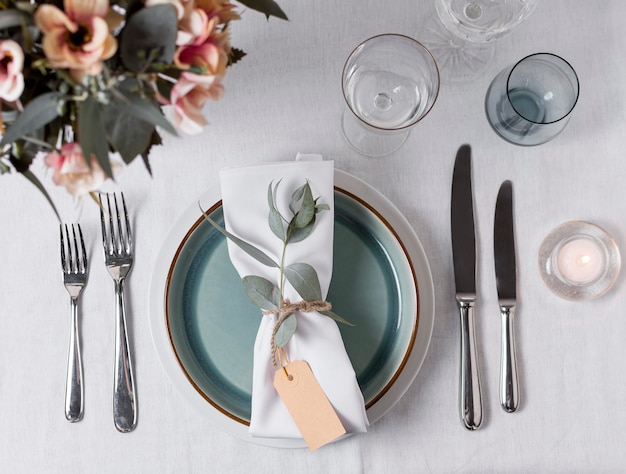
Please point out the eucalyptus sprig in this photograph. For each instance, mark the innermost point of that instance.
(263, 293)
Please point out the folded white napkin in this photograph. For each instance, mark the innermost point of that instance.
(317, 339)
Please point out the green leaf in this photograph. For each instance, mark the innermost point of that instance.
(296, 197)
(148, 37)
(33, 179)
(286, 329)
(303, 278)
(91, 134)
(263, 293)
(251, 250)
(336, 317)
(307, 209)
(321, 207)
(296, 235)
(275, 220)
(37, 113)
(143, 110)
(129, 136)
(268, 7)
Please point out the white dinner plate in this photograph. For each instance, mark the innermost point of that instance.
(203, 326)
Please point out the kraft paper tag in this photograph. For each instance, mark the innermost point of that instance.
(307, 404)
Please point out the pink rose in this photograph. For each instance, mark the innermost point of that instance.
(188, 98)
(207, 58)
(11, 64)
(193, 26)
(71, 170)
(78, 38)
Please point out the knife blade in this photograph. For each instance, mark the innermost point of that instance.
(464, 259)
(506, 283)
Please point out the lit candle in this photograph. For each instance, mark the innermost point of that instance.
(580, 260)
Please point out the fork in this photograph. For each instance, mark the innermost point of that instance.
(117, 243)
(75, 272)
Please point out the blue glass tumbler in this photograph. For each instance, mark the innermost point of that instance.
(531, 102)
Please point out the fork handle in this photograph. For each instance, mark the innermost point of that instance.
(124, 396)
(74, 393)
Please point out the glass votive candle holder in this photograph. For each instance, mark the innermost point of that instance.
(579, 261)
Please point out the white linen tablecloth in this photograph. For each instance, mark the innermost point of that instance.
(285, 97)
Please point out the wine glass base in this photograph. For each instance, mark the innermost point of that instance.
(369, 141)
(459, 61)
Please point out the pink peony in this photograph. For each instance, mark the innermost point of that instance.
(78, 38)
(207, 57)
(71, 170)
(11, 64)
(188, 98)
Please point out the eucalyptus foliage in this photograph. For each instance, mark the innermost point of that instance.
(267, 295)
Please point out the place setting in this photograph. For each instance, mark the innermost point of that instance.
(387, 301)
(293, 304)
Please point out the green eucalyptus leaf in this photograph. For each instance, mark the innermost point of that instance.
(143, 110)
(321, 207)
(296, 197)
(91, 134)
(262, 292)
(296, 235)
(38, 112)
(307, 209)
(275, 220)
(286, 329)
(250, 249)
(303, 278)
(148, 37)
(336, 317)
(129, 136)
(267, 7)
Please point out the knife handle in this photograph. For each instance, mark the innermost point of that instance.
(471, 398)
(509, 387)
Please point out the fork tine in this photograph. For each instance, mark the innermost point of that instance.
(70, 267)
(76, 259)
(121, 244)
(114, 247)
(63, 260)
(81, 260)
(103, 224)
(129, 235)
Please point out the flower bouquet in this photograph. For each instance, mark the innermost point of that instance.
(84, 82)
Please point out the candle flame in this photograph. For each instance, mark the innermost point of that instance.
(583, 260)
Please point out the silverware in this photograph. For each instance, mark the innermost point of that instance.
(464, 257)
(506, 282)
(75, 273)
(118, 257)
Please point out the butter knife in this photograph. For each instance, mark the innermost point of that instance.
(506, 282)
(464, 259)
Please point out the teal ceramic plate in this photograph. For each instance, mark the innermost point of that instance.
(380, 283)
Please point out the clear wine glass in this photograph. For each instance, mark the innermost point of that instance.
(390, 82)
(462, 36)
